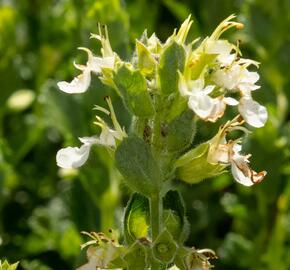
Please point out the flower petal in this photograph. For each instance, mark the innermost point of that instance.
(254, 114)
(227, 78)
(72, 157)
(219, 154)
(197, 85)
(230, 101)
(79, 84)
(107, 137)
(201, 104)
(243, 174)
(222, 48)
(89, 140)
(97, 63)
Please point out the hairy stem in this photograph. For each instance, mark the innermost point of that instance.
(156, 222)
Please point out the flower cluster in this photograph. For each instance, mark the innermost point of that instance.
(222, 73)
(213, 76)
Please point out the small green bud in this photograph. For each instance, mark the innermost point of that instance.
(194, 166)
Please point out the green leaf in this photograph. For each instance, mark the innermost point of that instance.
(172, 59)
(133, 88)
(164, 247)
(136, 257)
(136, 220)
(135, 161)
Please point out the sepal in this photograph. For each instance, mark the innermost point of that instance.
(193, 166)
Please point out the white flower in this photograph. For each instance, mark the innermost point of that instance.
(236, 77)
(200, 102)
(206, 107)
(95, 64)
(225, 152)
(75, 157)
(241, 171)
(79, 84)
(253, 113)
(198, 99)
(247, 81)
(223, 50)
(108, 136)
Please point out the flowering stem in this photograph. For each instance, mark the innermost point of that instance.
(155, 220)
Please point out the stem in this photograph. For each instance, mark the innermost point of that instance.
(156, 220)
(155, 215)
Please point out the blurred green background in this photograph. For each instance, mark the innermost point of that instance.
(43, 209)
